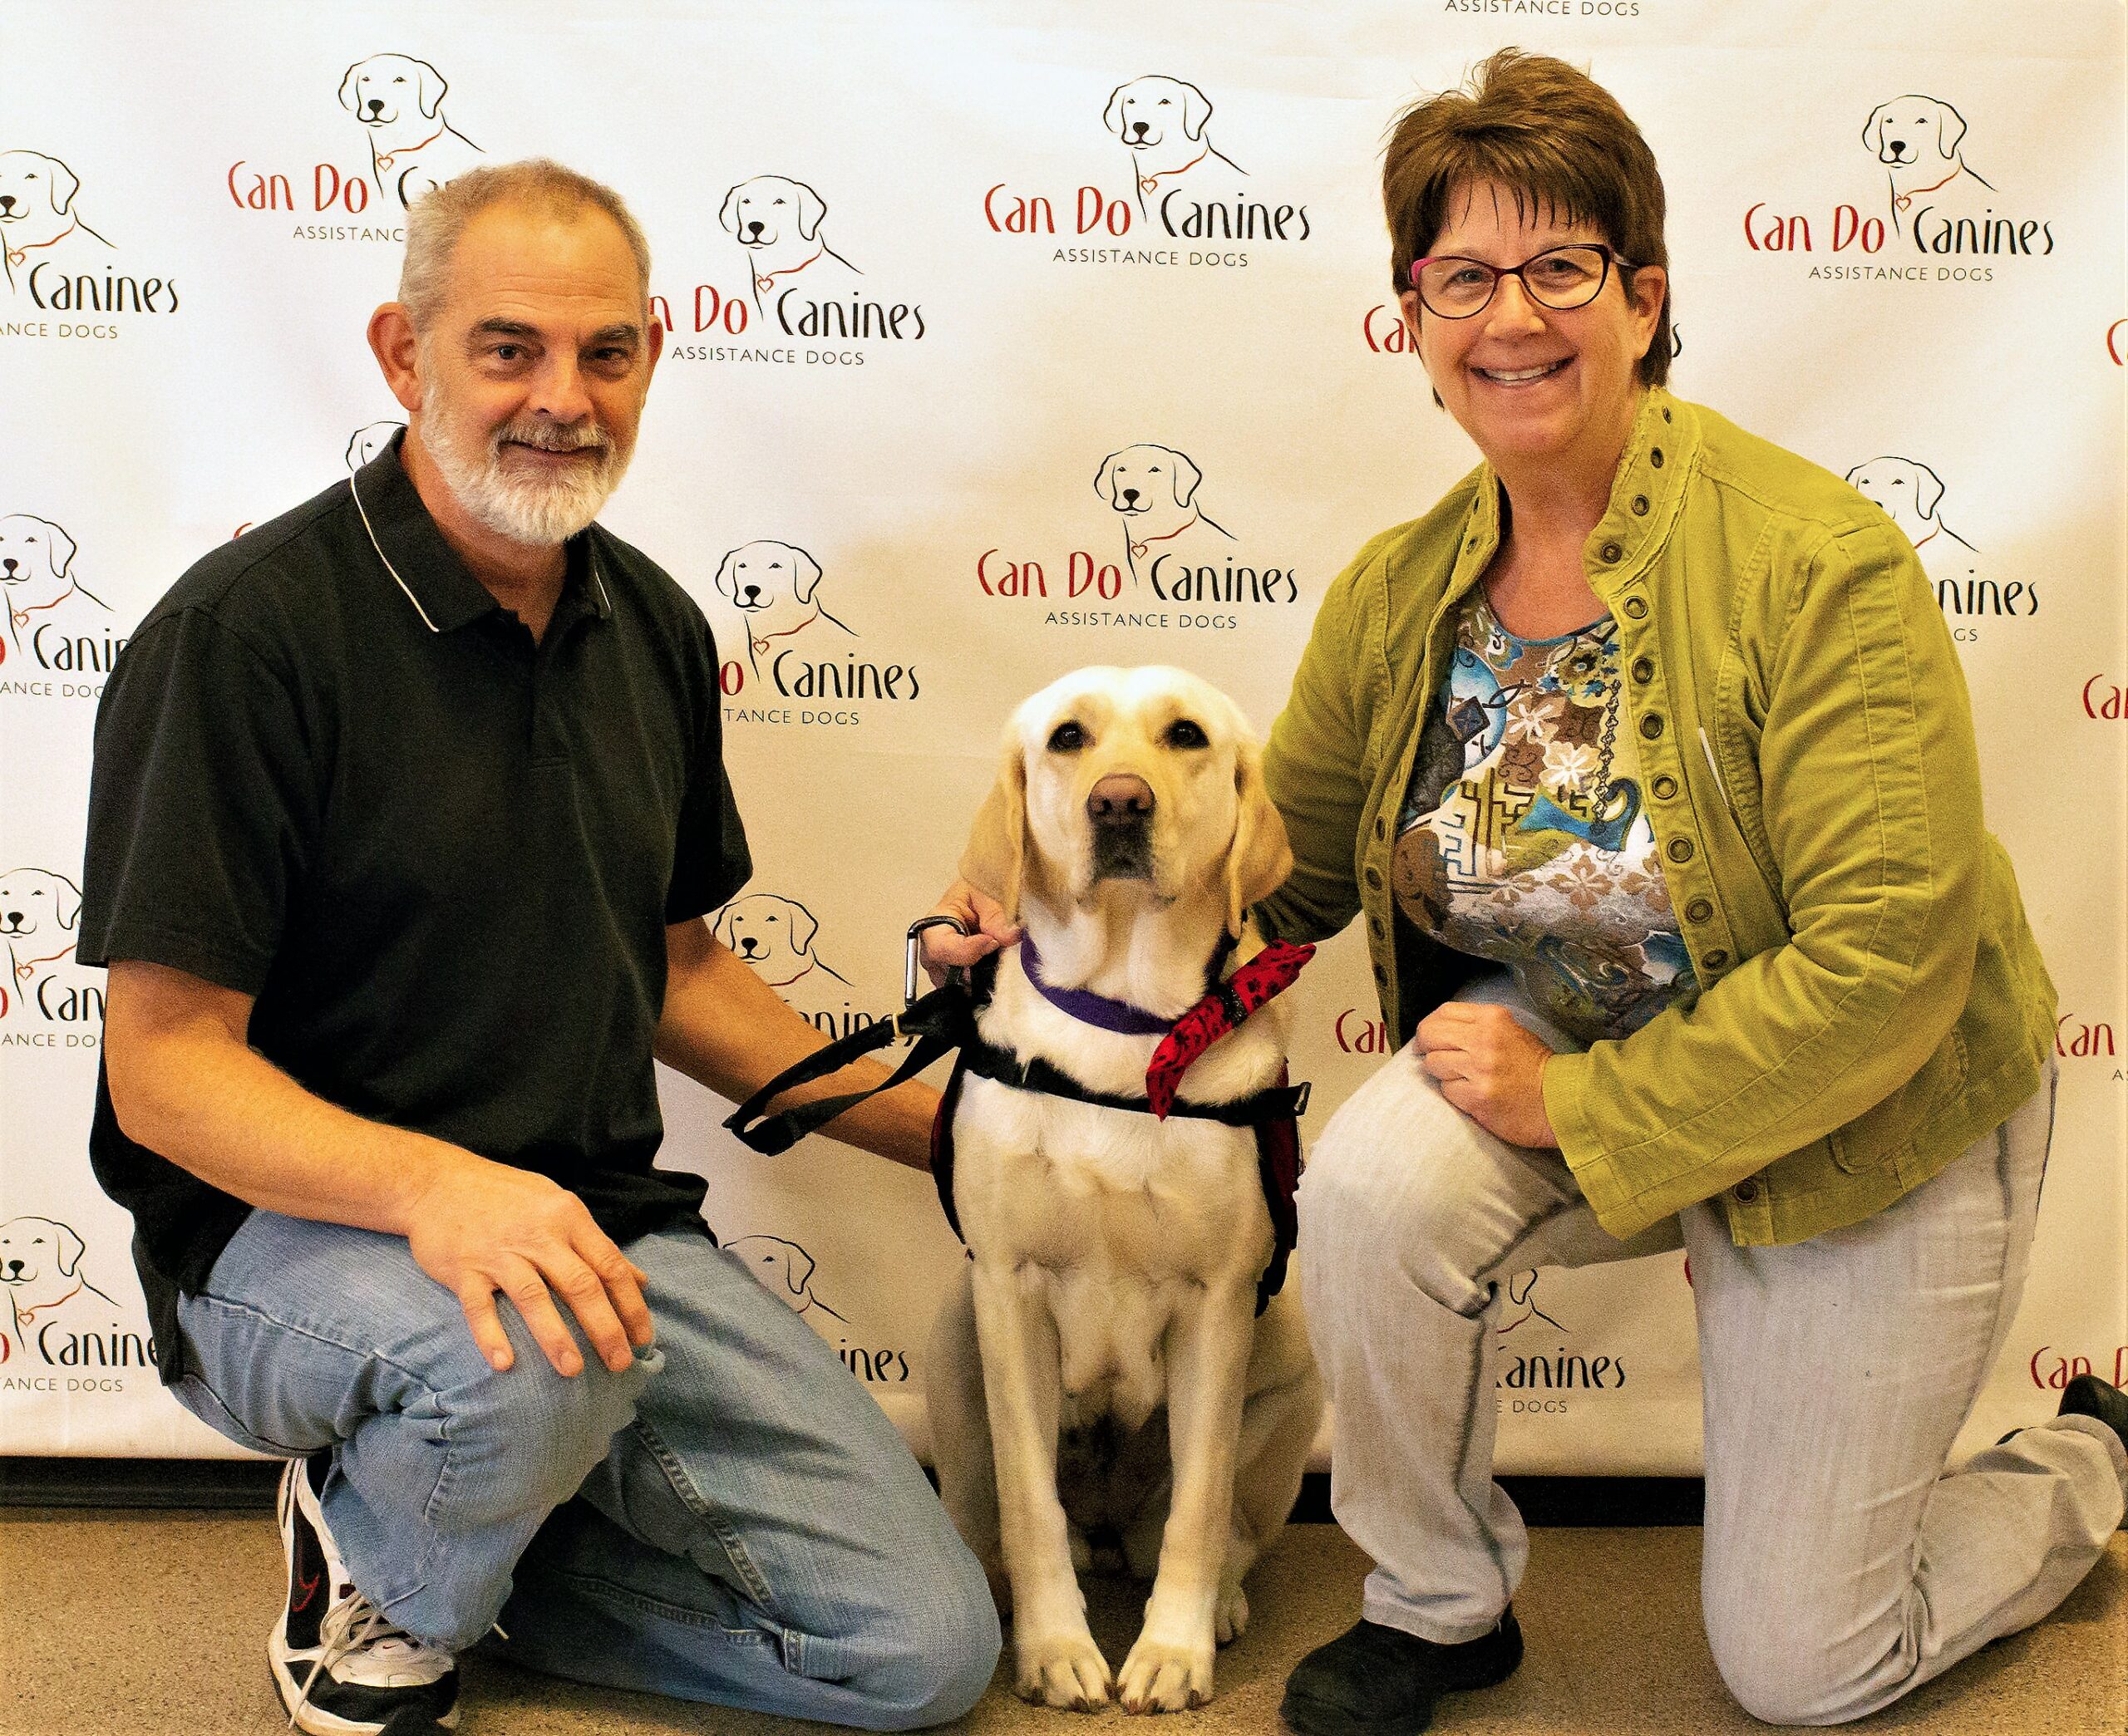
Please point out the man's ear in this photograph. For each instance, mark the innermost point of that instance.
(393, 342)
(1260, 857)
(995, 862)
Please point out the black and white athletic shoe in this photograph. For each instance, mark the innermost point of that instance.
(340, 1663)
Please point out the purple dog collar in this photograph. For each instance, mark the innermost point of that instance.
(1099, 1010)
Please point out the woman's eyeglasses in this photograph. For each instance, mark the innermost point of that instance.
(1560, 278)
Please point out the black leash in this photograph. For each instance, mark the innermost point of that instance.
(942, 1022)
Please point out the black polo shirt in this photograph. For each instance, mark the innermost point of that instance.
(333, 774)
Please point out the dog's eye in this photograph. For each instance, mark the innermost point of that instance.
(1183, 733)
(1067, 738)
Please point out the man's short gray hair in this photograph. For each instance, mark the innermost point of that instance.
(439, 217)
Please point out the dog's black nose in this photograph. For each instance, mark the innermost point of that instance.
(14, 1268)
(6, 201)
(376, 104)
(1119, 798)
(752, 592)
(1898, 147)
(754, 226)
(8, 561)
(1130, 495)
(1139, 128)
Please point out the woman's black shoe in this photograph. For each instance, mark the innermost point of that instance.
(1373, 1680)
(2089, 1396)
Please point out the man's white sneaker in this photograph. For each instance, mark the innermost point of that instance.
(339, 1663)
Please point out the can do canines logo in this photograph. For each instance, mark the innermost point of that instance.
(783, 634)
(54, 260)
(57, 1316)
(1913, 497)
(1168, 555)
(408, 146)
(1175, 182)
(1933, 216)
(802, 282)
(56, 636)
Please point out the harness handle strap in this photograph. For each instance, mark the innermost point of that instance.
(934, 1021)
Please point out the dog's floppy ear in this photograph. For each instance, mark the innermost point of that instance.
(1260, 857)
(430, 87)
(1928, 490)
(798, 1269)
(1111, 117)
(725, 928)
(995, 861)
(727, 585)
(803, 928)
(1196, 109)
(811, 209)
(70, 902)
(1950, 128)
(729, 216)
(1872, 128)
(62, 557)
(71, 1248)
(1105, 478)
(348, 85)
(806, 573)
(64, 185)
(1187, 476)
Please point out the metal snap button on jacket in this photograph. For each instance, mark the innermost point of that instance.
(1681, 849)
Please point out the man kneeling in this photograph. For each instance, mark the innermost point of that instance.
(407, 809)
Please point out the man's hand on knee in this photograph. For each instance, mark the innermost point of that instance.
(481, 1227)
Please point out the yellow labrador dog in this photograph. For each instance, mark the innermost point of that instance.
(1112, 1292)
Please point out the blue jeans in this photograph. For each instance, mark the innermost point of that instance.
(732, 1519)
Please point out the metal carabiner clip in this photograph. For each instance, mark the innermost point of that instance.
(913, 964)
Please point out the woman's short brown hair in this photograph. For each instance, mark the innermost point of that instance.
(1551, 134)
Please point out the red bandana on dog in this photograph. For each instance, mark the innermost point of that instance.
(1270, 971)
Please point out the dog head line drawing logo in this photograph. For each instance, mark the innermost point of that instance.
(1162, 123)
(774, 587)
(37, 561)
(1522, 1291)
(40, 218)
(785, 1270)
(41, 1276)
(775, 936)
(1154, 491)
(413, 147)
(780, 221)
(367, 441)
(1910, 495)
(1919, 140)
(39, 912)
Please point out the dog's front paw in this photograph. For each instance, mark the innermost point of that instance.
(1160, 1676)
(1064, 1671)
(1231, 1619)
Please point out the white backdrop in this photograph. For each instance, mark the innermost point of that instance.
(990, 302)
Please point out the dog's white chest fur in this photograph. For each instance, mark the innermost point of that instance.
(1108, 1216)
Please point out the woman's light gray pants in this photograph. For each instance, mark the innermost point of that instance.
(1841, 1566)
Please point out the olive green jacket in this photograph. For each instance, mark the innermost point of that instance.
(1870, 999)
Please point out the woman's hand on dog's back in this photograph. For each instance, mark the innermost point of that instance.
(981, 915)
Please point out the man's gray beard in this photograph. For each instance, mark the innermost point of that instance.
(540, 511)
